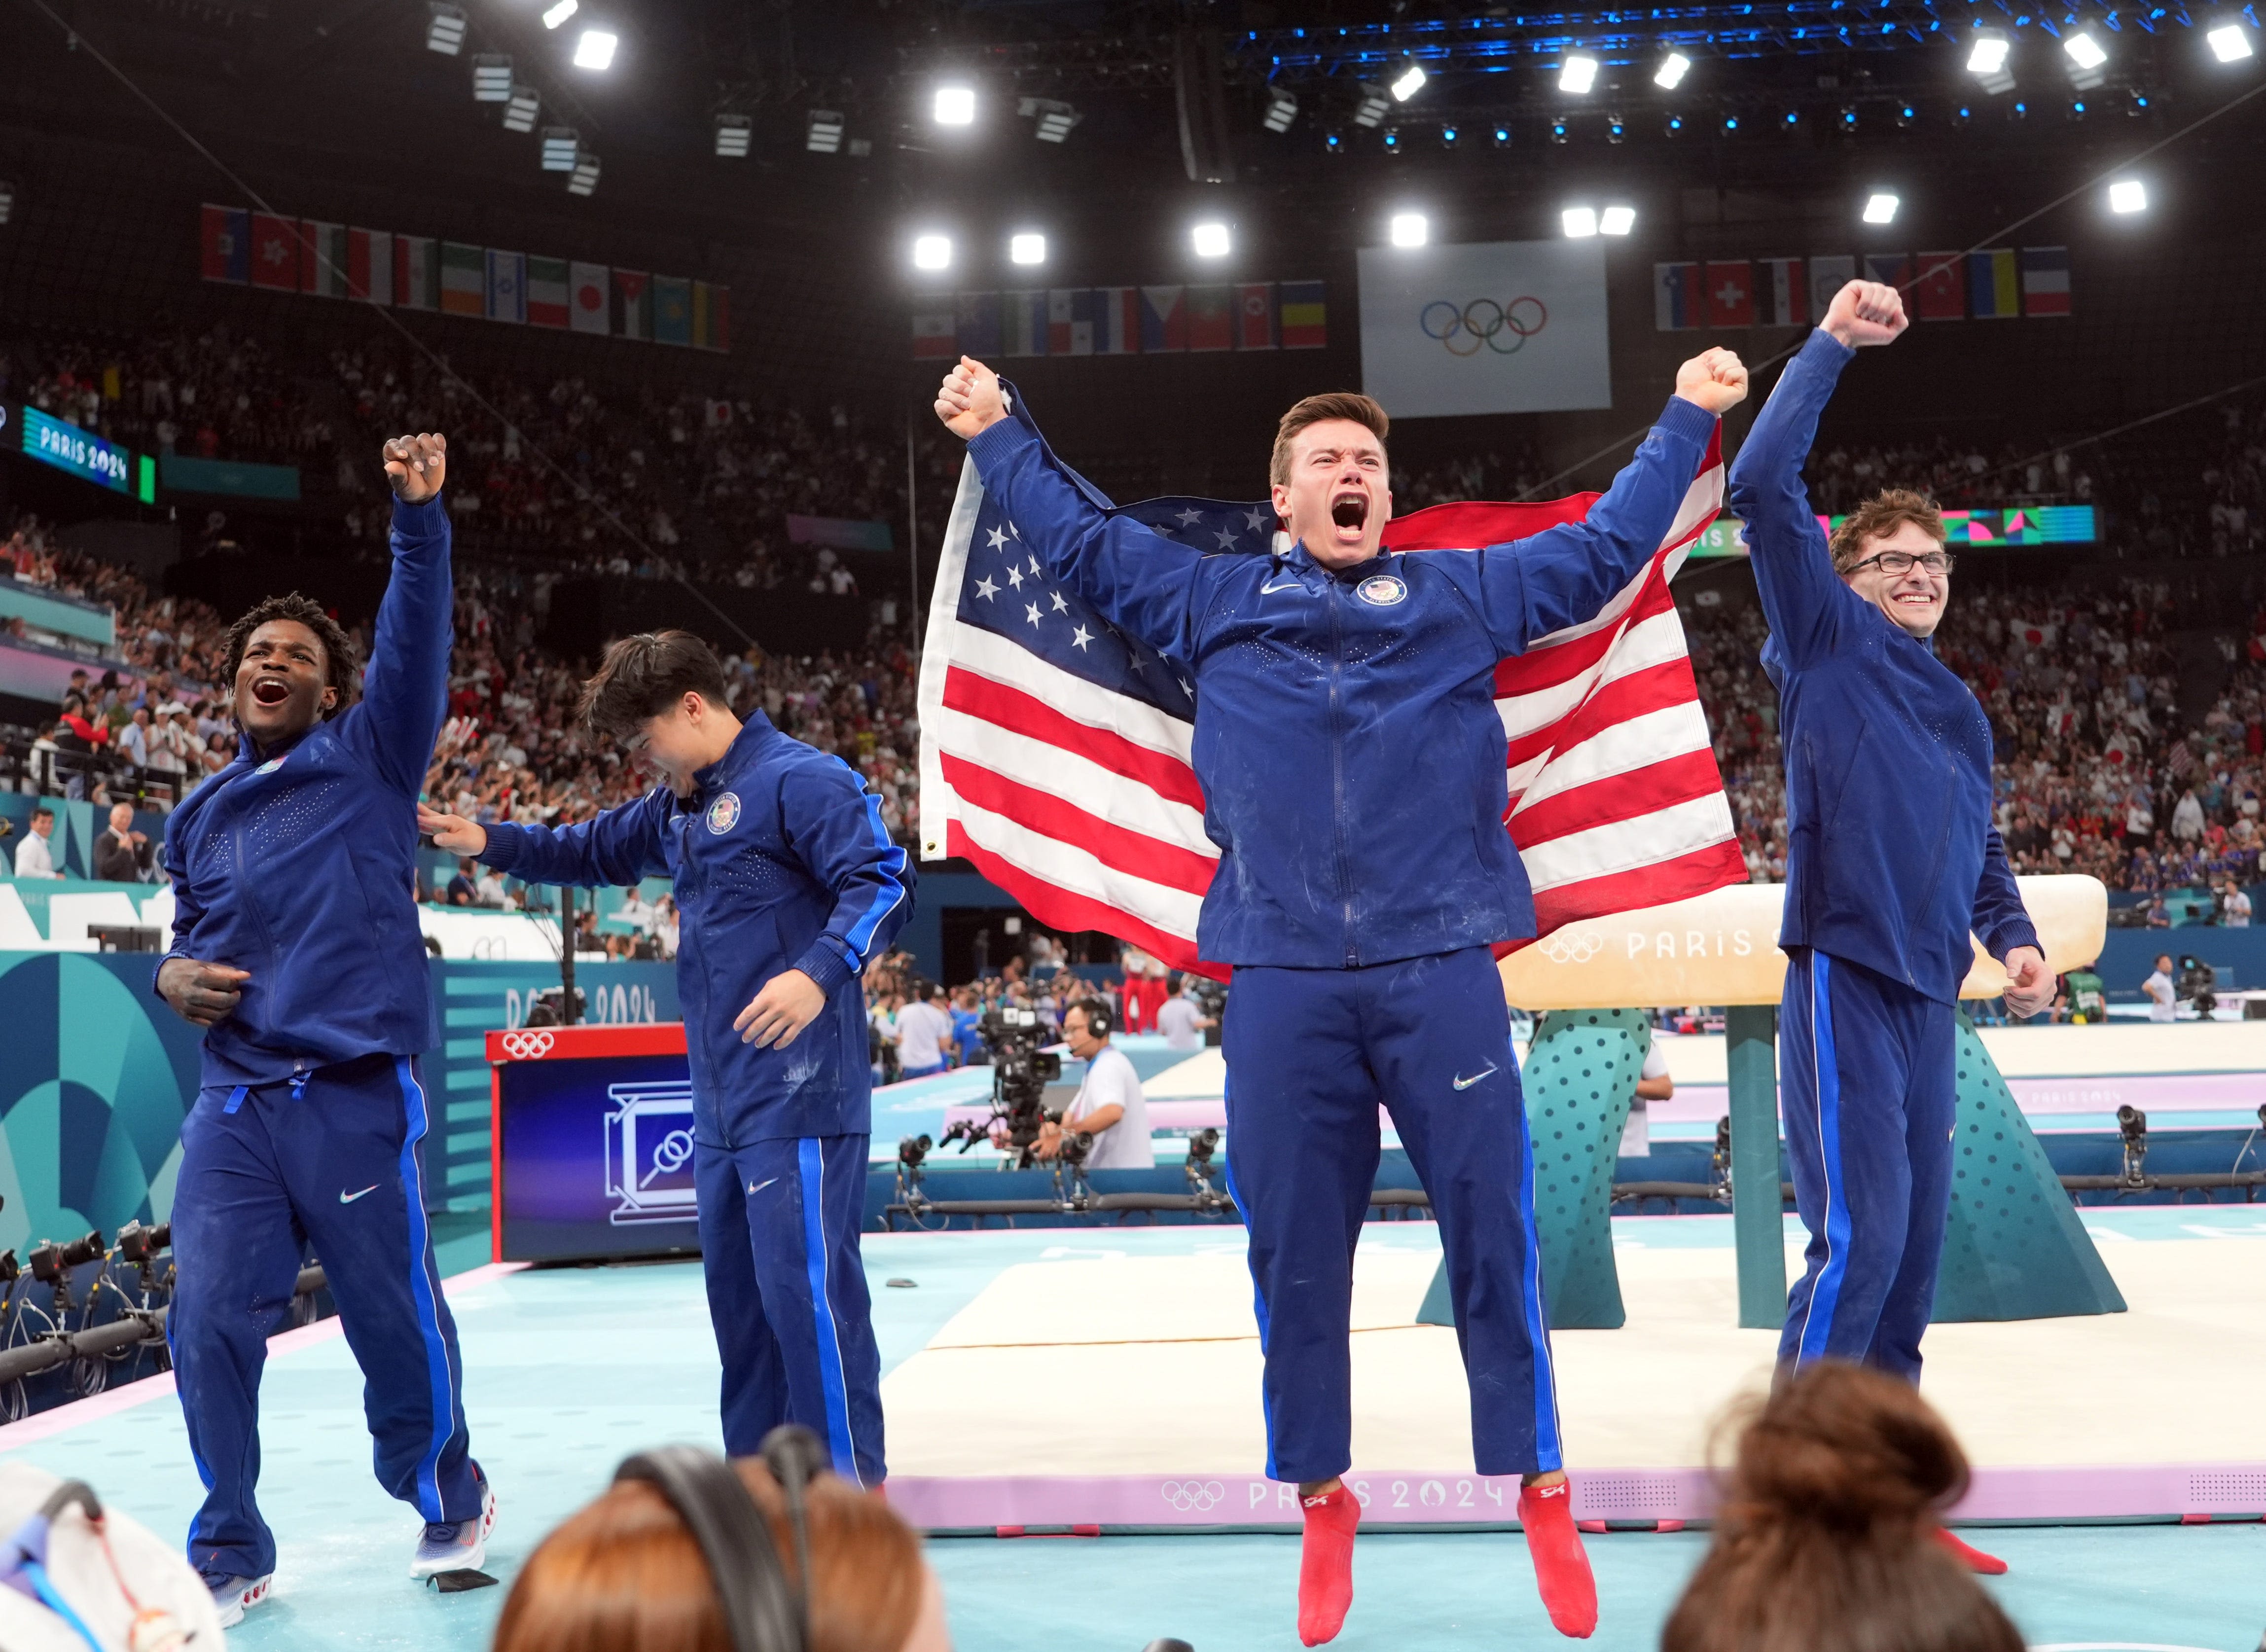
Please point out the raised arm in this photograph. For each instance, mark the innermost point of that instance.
(406, 685)
(1803, 598)
(1143, 582)
(619, 848)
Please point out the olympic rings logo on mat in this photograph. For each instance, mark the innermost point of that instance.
(1567, 949)
(1483, 322)
(1193, 1496)
(525, 1046)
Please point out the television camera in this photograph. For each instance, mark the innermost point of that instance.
(1020, 1072)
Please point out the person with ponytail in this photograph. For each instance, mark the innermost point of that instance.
(1828, 1535)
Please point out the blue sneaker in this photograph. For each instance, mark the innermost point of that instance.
(456, 1545)
(233, 1597)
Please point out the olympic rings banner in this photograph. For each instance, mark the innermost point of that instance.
(1492, 326)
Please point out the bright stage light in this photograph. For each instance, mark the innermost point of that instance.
(1671, 71)
(560, 12)
(1580, 222)
(1577, 74)
(1211, 239)
(491, 78)
(2230, 42)
(584, 181)
(1408, 83)
(932, 251)
(955, 105)
(1029, 247)
(821, 133)
(1408, 229)
(1988, 55)
(519, 114)
(733, 133)
(2128, 195)
(2084, 50)
(1881, 208)
(1282, 109)
(444, 30)
(560, 146)
(596, 49)
(1055, 119)
(1616, 220)
(1372, 107)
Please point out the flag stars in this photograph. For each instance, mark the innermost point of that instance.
(988, 590)
(998, 539)
(1036, 571)
(1226, 539)
(1060, 606)
(1190, 516)
(1255, 518)
(1014, 576)
(1017, 532)
(1031, 613)
(1080, 638)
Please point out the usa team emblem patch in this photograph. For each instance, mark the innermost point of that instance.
(724, 813)
(271, 766)
(1381, 590)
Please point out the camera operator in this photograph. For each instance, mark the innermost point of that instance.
(2163, 997)
(1109, 1106)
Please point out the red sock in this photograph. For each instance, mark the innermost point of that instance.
(1968, 1555)
(1561, 1570)
(1325, 1565)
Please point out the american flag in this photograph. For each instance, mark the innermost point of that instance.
(1054, 750)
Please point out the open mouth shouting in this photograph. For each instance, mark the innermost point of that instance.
(270, 692)
(1349, 513)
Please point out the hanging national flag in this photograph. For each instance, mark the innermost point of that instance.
(1055, 751)
(934, 336)
(1211, 317)
(1164, 320)
(416, 272)
(586, 293)
(1254, 315)
(2045, 281)
(322, 258)
(549, 302)
(1023, 321)
(1068, 331)
(1941, 292)
(1730, 293)
(1117, 323)
(1829, 276)
(224, 245)
(1305, 315)
(369, 265)
(975, 318)
(634, 289)
(1994, 285)
(275, 252)
(505, 298)
(1677, 306)
(712, 317)
(463, 280)
(672, 310)
(1781, 293)
(1891, 269)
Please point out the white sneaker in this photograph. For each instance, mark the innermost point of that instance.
(233, 1597)
(459, 1545)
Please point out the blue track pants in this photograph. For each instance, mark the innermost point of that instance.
(1310, 1053)
(334, 1164)
(786, 1293)
(1869, 1096)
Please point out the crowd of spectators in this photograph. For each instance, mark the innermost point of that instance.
(219, 394)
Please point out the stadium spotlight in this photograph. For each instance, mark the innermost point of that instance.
(1559, 132)
(1616, 220)
(1673, 126)
(1055, 118)
(1848, 121)
(1906, 115)
(2128, 195)
(561, 145)
(1372, 108)
(1986, 59)
(1672, 69)
(821, 132)
(491, 78)
(1282, 109)
(1027, 246)
(932, 251)
(733, 133)
(2136, 103)
(558, 14)
(955, 105)
(7, 201)
(1448, 137)
(1616, 128)
(2229, 40)
(2086, 61)
(2077, 109)
(596, 49)
(1580, 222)
(584, 180)
(1408, 83)
(519, 114)
(1789, 121)
(1962, 114)
(1392, 140)
(1211, 239)
(1502, 135)
(1577, 74)
(1881, 207)
(1730, 126)
(1333, 143)
(444, 30)
(1408, 229)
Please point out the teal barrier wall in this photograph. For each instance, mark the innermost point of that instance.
(45, 609)
(97, 1073)
(182, 474)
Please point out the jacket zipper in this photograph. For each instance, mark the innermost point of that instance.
(1337, 773)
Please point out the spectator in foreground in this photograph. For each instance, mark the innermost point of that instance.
(1828, 1538)
(623, 1574)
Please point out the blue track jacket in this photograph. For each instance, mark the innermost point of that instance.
(781, 862)
(1345, 733)
(299, 864)
(1891, 856)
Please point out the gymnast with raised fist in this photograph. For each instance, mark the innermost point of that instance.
(297, 948)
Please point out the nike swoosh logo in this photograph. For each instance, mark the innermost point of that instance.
(348, 1198)
(759, 1185)
(1273, 586)
(1463, 1083)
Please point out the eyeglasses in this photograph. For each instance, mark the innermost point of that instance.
(1896, 564)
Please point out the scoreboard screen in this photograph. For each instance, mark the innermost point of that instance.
(81, 453)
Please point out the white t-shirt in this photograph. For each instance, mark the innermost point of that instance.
(922, 1029)
(1636, 1135)
(35, 859)
(1177, 1021)
(2159, 987)
(2237, 915)
(1110, 1081)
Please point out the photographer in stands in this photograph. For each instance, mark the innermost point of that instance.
(1109, 1106)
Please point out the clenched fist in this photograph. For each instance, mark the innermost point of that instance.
(969, 401)
(1865, 313)
(415, 465)
(1715, 379)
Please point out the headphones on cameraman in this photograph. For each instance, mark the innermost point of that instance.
(763, 1611)
(1099, 1023)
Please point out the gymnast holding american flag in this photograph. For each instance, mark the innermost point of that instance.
(1347, 734)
